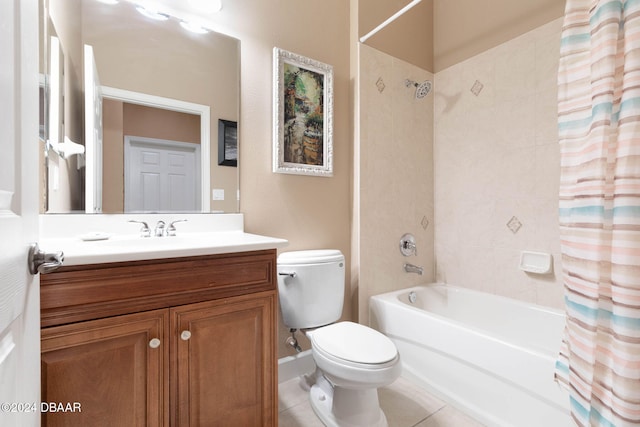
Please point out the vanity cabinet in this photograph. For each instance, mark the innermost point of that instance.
(180, 342)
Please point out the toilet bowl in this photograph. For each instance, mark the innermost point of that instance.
(352, 360)
(355, 356)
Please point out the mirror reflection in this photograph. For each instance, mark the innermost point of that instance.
(132, 108)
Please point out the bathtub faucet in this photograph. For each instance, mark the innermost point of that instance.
(410, 268)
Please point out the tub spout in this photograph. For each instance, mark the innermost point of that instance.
(410, 268)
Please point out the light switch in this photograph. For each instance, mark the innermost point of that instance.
(217, 194)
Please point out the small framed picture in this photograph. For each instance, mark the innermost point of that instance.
(227, 143)
(303, 115)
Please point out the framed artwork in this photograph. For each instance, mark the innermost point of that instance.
(227, 143)
(302, 116)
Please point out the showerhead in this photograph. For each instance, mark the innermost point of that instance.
(422, 89)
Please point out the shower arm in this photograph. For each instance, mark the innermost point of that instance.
(389, 21)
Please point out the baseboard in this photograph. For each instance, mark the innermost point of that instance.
(291, 367)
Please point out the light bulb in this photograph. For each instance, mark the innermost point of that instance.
(152, 14)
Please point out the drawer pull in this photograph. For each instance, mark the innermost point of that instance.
(185, 335)
(154, 343)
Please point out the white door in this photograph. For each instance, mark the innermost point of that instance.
(19, 291)
(161, 175)
(93, 133)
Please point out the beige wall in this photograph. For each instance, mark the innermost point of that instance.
(464, 28)
(113, 156)
(436, 34)
(311, 212)
(395, 160)
(409, 38)
(497, 157)
(150, 122)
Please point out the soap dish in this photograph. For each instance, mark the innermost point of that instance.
(94, 236)
(536, 262)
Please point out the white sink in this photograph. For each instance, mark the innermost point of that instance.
(146, 243)
(133, 248)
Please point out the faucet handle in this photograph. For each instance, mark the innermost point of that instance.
(159, 230)
(408, 245)
(145, 231)
(171, 229)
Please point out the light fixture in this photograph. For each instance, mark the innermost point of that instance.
(193, 27)
(206, 6)
(152, 14)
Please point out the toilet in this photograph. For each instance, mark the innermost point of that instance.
(352, 360)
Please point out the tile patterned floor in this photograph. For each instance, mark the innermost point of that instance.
(404, 404)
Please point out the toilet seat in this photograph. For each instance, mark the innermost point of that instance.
(355, 345)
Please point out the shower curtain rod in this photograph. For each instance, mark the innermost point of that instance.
(389, 21)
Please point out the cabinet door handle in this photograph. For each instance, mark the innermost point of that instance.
(185, 335)
(154, 343)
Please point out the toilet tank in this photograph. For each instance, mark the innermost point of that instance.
(311, 287)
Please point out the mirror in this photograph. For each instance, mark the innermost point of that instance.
(132, 109)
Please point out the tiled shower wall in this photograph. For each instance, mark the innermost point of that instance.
(394, 165)
(497, 167)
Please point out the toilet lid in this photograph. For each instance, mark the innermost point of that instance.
(315, 256)
(355, 343)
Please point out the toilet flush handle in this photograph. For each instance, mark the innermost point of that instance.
(291, 274)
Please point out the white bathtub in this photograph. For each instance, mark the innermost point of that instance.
(490, 356)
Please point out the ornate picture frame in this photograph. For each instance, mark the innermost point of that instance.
(302, 115)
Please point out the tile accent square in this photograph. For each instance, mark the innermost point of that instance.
(514, 224)
(424, 222)
(477, 88)
(380, 84)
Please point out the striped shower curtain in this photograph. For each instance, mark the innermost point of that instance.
(599, 129)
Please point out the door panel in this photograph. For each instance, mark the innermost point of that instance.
(224, 373)
(19, 292)
(110, 369)
(161, 176)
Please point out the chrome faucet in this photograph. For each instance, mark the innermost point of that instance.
(145, 231)
(408, 245)
(171, 229)
(161, 228)
(410, 268)
(159, 231)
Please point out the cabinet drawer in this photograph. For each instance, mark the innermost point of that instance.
(85, 292)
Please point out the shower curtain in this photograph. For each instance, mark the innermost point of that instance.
(599, 133)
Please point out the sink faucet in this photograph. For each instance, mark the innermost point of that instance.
(410, 268)
(159, 231)
(145, 231)
(171, 229)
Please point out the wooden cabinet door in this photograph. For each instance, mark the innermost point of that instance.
(225, 370)
(110, 369)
